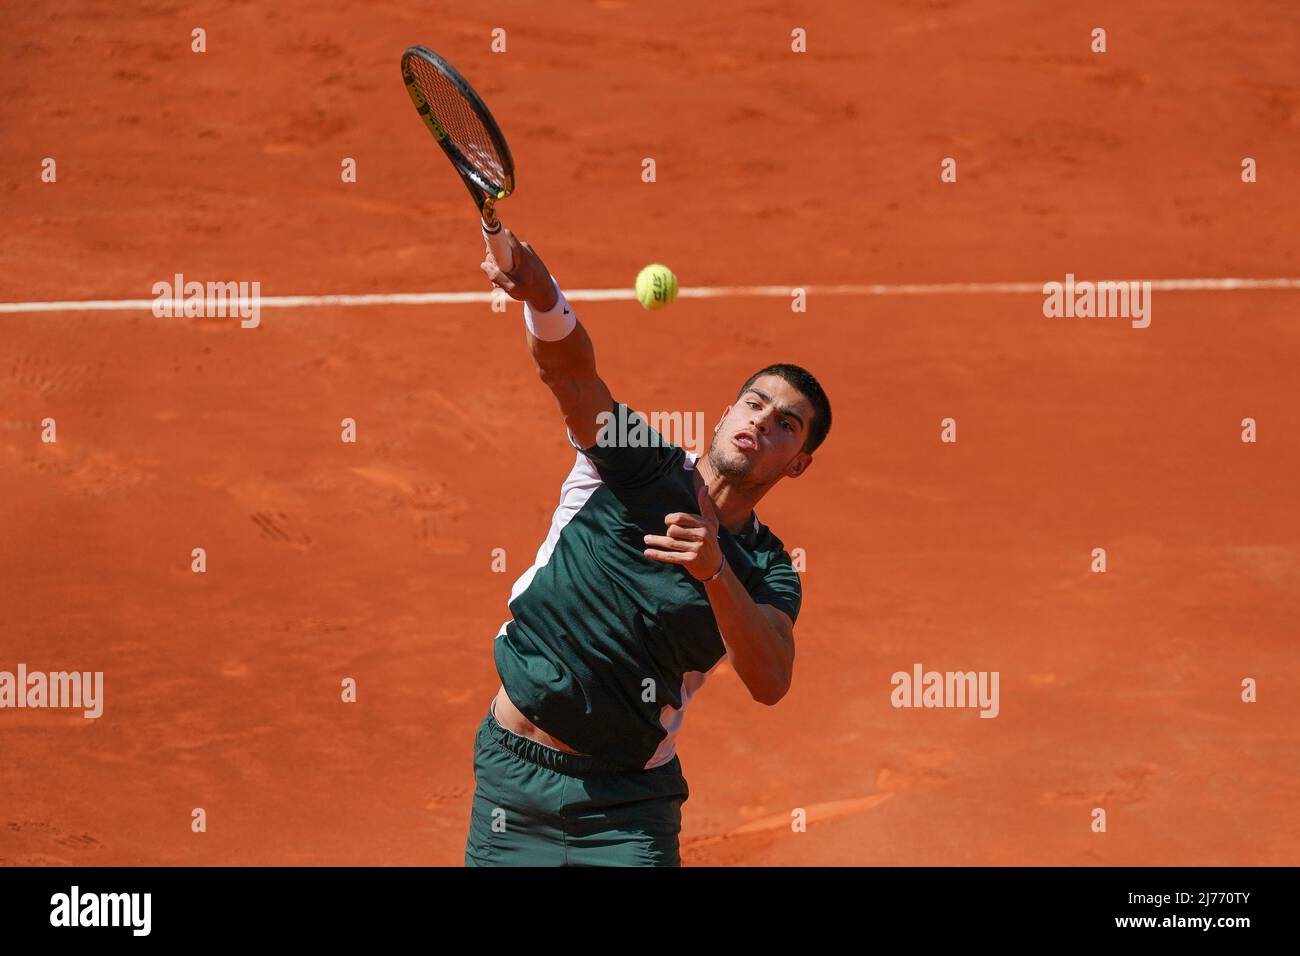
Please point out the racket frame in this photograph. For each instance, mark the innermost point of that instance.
(486, 194)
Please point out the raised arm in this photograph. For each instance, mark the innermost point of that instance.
(561, 348)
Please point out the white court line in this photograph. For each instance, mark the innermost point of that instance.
(610, 295)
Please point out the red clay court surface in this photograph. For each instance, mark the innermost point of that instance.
(327, 560)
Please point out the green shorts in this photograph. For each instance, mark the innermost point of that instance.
(538, 806)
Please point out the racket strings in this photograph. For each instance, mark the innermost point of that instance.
(460, 121)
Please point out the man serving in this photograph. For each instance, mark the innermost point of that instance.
(654, 571)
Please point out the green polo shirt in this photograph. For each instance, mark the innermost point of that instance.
(605, 647)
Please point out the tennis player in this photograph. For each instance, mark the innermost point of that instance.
(655, 570)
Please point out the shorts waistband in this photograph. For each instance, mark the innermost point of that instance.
(558, 760)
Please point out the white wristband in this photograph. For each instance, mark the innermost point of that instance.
(553, 324)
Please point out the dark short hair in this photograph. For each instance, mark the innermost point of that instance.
(801, 379)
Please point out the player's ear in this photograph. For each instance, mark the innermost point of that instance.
(798, 465)
(725, 412)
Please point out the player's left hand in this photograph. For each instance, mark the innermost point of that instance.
(691, 541)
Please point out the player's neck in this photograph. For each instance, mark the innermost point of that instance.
(734, 504)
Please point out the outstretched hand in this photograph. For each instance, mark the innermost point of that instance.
(691, 541)
(529, 281)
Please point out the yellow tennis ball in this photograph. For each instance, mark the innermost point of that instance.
(656, 286)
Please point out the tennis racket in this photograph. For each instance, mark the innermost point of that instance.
(460, 122)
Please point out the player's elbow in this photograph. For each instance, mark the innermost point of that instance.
(564, 378)
(556, 377)
(561, 384)
(771, 696)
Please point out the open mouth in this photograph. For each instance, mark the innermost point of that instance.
(744, 441)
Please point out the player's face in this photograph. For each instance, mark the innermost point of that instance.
(761, 436)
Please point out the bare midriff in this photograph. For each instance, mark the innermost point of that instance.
(512, 719)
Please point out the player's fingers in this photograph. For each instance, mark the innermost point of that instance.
(496, 276)
(671, 544)
(687, 534)
(669, 557)
(685, 520)
(516, 247)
